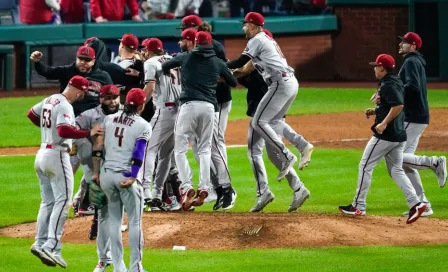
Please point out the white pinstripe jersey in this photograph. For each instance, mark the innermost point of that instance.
(267, 56)
(167, 87)
(54, 111)
(121, 132)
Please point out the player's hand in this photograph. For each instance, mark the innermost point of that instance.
(369, 112)
(380, 128)
(96, 130)
(36, 56)
(96, 179)
(132, 72)
(138, 55)
(127, 182)
(101, 19)
(137, 18)
(375, 98)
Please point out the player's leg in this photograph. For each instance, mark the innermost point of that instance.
(412, 162)
(62, 186)
(305, 148)
(204, 133)
(255, 144)
(110, 185)
(413, 132)
(300, 192)
(46, 207)
(103, 240)
(184, 130)
(276, 102)
(394, 163)
(373, 153)
(132, 199)
(147, 170)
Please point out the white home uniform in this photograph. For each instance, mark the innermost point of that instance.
(161, 144)
(55, 173)
(121, 134)
(87, 120)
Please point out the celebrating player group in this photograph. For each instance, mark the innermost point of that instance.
(129, 126)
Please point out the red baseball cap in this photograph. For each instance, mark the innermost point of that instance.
(109, 90)
(136, 97)
(86, 52)
(153, 45)
(254, 18)
(190, 21)
(268, 33)
(130, 41)
(80, 83)
(189, 34)
(385, 60)
(412, 38)
(203, 38)
(90, 40)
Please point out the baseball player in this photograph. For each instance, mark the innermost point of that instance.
(55, 116)
(388, 141)
(165, 90)
(200, 71)
(257, 88)
(416, 111)
(124, 144)
(263, 54)
(109, 102)
(220, 178)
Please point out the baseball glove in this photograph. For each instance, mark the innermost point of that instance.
(97, 197)
(74, 150)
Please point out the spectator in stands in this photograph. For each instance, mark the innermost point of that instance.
(39, 11)
(113, 10)
(187, 7)
(159, 9)
(72, 11)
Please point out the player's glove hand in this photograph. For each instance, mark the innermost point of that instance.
(74, 150)
(96, 195)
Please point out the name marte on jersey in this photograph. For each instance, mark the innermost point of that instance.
(124, 120)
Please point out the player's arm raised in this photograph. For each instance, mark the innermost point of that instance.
(173, 63)
(49, 72)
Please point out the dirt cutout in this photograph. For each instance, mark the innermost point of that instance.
(221, 231)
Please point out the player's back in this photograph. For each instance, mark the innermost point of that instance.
(267, 56)
(121, 133)
(55, 111)
(168, 87)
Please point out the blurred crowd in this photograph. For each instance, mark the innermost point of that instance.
(101, 11)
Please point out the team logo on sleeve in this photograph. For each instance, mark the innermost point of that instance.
(67, 116)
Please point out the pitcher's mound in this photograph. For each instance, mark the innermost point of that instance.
(212, 231)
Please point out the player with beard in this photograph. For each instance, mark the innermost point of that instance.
(109, 105)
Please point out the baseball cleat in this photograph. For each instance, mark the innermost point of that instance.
(350, 210)
(415, 212)
(228, 199)
(299, 197)
(124, 228)
(262, 201)
(427, 212)
(200, 197)
(305, 156)
(42, 256)
(286, 166)
(101, 267)
(187, 198)
(85, 212)
(440, 170)
(174, 206)
(212, 196)
(218, 203)
(57, 258)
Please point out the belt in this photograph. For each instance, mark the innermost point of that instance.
(55, 147)
(275, 78)
(170, 104)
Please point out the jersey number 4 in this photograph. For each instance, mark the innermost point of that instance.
(46, 118)
(119, 134)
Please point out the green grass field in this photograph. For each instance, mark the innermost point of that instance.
(331, 178)
(308, 101)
